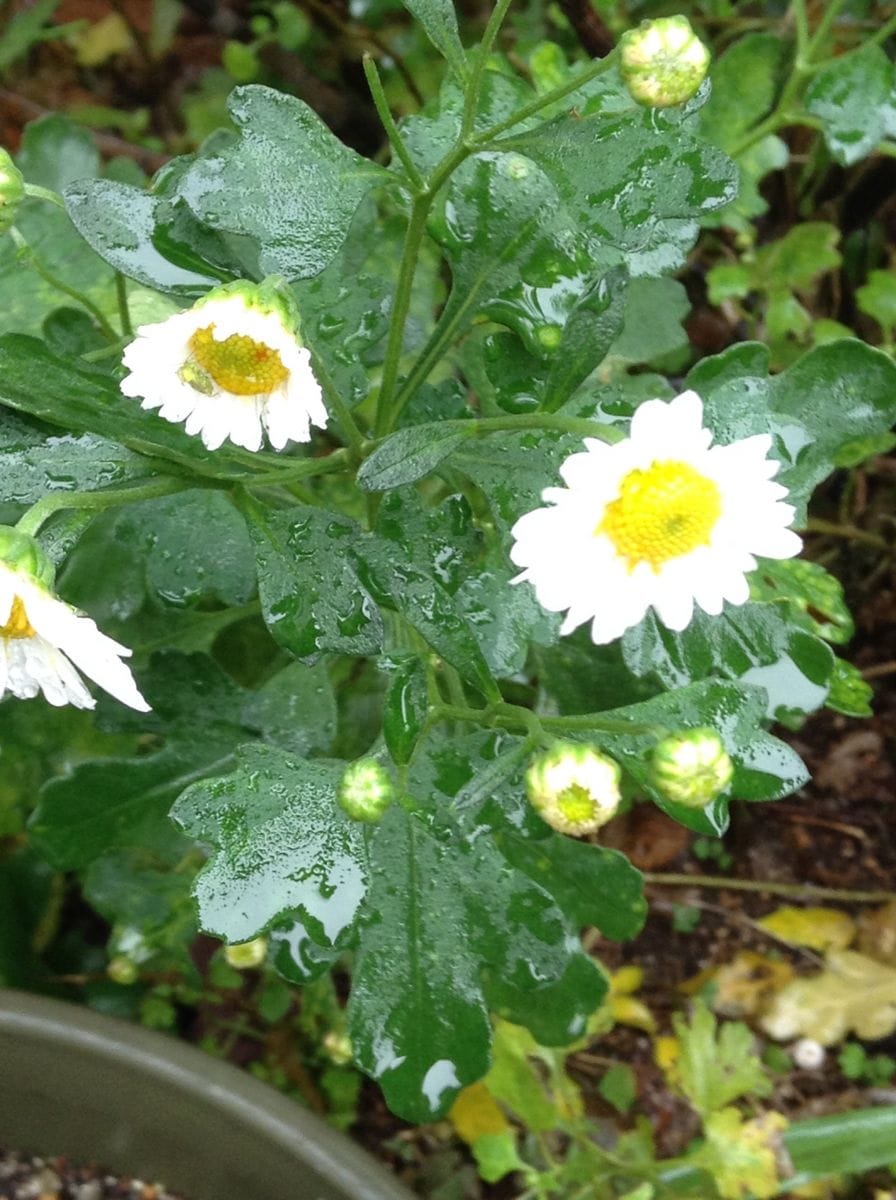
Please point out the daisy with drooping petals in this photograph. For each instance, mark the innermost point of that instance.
(661, 520)
(41, 637)
(229, 367)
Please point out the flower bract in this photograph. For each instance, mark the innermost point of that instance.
(43, 641)
(231, 366)
(574, 788)
(661, 520)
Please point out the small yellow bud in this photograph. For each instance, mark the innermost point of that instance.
(338, 1048)
(691, 768)
(663, 62)
(12, 190)
(123, 970)
(366, 790)
(574, 788)
(243, 956)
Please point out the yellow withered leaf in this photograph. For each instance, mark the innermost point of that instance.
(853, 994)
(475, 1113)
(816, 928)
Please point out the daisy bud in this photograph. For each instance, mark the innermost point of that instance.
(232, 366)
(12, 190)
(338, 1048)
(691, 768)
(123, 970)
(43, 640)
(663, 62)
(244, 956)
(574, 788)
(366, 790)
(808, 1054)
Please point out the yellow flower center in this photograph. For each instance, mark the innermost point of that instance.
(18, 625)
(576, 805)
(238, 364)
(662, 512)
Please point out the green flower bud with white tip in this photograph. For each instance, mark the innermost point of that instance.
(245, 956)
(691, 768)
(43, 640)
(365, 791)
(12, 190)
(663, 62)
(574, 788)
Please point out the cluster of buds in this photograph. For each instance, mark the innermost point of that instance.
(663, 62)
(366, 790)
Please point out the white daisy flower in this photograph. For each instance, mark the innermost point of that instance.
(43, 640)
(229, 367)
(661, 520)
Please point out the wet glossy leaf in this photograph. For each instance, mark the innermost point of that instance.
(110, 803)
(440, 536)
(296, 955)
(250, 187)
(439, 20)
(82, 399)
(282, 843)
(417, 1015)
(406, 708)
(311, 596)
(850, 694)
(851, 98)
(755, 643)
(652, 323)
(827, 399)
(32, 463)
(55, 152)
(813, 596)
(590, 330)
(295, 709)
(408, 455)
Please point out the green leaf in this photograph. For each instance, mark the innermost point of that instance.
(798, 258)
(409, 455)
(851, 98)
(417, 1014)
(619, 1087)
(717, 1064)
(744, 85)
(755, 643)
(311, 597)
(878, 299)
(849, 693)
(295, 709)
(588, 333)
(830, 397)
(120, 222)
(845, 1143)
(282, 843)
(55, 151)
(250, 186)
(33, 464)
(406, 708)
(24, 30)
(107, 804)
(814, 597)
(439, 20)
(652, 326)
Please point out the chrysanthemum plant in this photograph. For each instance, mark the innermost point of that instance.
(422, 582)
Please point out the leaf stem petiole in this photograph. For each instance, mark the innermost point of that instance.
(39, 513)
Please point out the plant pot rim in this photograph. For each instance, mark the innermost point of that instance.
(79, 1083)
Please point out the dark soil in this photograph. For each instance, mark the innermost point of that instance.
(24, 1178)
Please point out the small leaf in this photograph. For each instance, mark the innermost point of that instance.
(590, 330)
(24, 30)
(818, 928)
(851, 97)
(474, 1113)
(812, 595)
(878, 299)
(250, 187)
(406, 708)
(853, 994)
(439, 20)
(619, 1087)
(716, 1064)
(409, 455)
(850, 694)
(282, 843)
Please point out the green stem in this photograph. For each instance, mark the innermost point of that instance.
(801, 21)
(888, 28)
(795, 891)
(37, 515)
(583, 426)
(41, 193)
(831, 12)
(598, 67)
(304, 468)
(515, 717)
(28, 255)
(124, 312)
(474, 87)
(396, 141)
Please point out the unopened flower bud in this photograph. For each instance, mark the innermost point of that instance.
(691, 768)
(123, 970)
(12, 190)
(366, 790)
(244, 956)
(338, 1048)
(25, 556)
(574, 788)
(808, 1054)
(663, 62)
